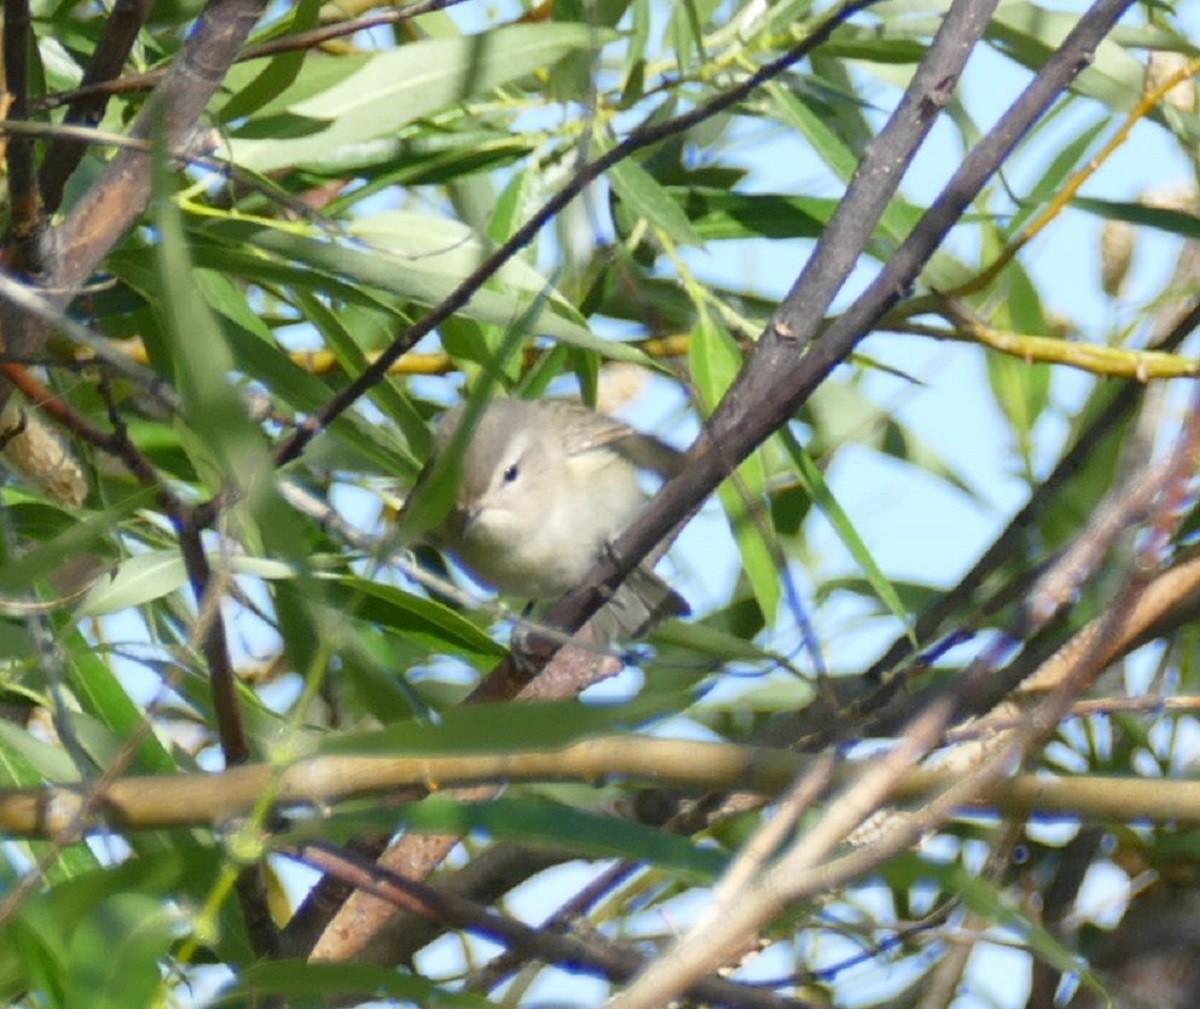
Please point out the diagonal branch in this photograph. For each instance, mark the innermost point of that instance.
(120, 33)
(121, 193)
(804, 869)
(789, 363)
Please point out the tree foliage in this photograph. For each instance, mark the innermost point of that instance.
(253, 251)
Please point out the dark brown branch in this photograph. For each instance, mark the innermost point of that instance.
(1058, 899)
(485, 879)
(251, 885)
(22, 185)
(215, 649)
(120, 33)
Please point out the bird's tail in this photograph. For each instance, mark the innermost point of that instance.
(643, 601)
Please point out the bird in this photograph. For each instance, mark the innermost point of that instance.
(545, 487)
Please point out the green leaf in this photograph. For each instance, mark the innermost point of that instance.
(92, 535)
(148, 576)
(538, 820)
(26, 762)
(830, 145)
(1172, 222)
(395, 88)
(33, 954)
(715, 361)
(140, 579)
(1022, 391)
(225, 438)
(1065, 161)
(505, 726)
(815, 486)
(686, 30)
(651, 202)
(301, 981)
(842, 413)
(350, 427)
(433, 624)
(280, 70)
(421, 159)
(114, 954)
(1030, 33)
(721, 214)
(101, 694)
(440, 258)
(711, 642)
(988, 900)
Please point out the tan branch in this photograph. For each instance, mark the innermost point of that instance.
(189, 800)
(1108, 362)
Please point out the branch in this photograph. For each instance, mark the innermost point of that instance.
(595, 955)
(120, 33)
(1102, 361)
(121, 193)
(156, 802)
(116, 443)
(788, 365)
(23, 194)
(251, 885)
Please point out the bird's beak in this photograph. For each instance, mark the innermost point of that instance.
(468, 513)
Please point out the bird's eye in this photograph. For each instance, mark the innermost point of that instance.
(511, 473)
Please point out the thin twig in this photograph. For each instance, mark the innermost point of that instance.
(187, 156)
(215, 649)
(28, 301)
(115, 443)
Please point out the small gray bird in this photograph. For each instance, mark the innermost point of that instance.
(546, 486)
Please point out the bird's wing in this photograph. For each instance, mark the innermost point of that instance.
(584, 430)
